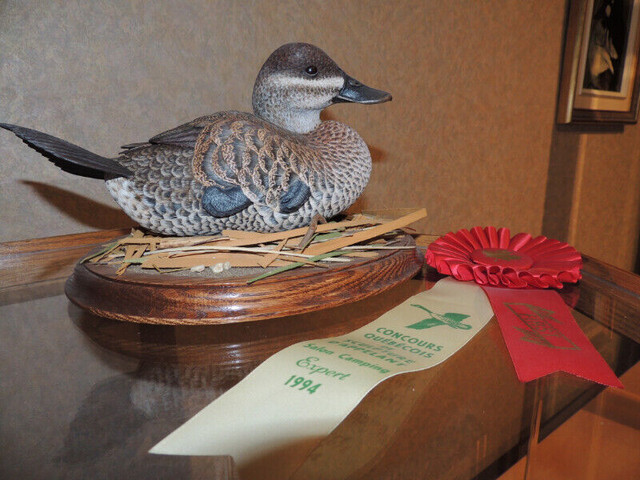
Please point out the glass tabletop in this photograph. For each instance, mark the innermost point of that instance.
(87, 397)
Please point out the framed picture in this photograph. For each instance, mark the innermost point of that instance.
(600, 81)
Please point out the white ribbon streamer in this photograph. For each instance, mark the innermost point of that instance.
(299, 395)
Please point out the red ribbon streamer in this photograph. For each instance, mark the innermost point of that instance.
(543, 337)
(516, 273)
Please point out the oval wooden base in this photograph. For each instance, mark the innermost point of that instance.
(164, 298)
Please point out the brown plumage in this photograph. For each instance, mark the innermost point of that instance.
(269, 171)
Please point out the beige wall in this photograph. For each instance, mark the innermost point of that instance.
(594, 191)
(470, 133)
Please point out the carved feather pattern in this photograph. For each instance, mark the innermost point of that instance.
(165, 193)
(253, 154)
(240, 170)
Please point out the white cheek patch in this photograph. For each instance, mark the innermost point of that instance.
(328, 83)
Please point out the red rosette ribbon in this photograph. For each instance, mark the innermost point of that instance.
(518, 275)
(490, 256)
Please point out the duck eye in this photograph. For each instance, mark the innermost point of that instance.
(311, 70)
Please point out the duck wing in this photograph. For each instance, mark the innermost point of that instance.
(245, 160)
(184, 135)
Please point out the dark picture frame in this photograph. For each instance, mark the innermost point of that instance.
(600, 81)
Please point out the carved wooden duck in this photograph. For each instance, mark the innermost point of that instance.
(269, 171)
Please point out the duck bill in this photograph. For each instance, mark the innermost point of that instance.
(356, 92)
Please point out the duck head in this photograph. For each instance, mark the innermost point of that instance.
(298, 81)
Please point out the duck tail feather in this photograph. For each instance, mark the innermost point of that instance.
(69, 157)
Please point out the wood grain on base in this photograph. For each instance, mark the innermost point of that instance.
(198, 300)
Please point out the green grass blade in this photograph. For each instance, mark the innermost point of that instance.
(336, 253)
